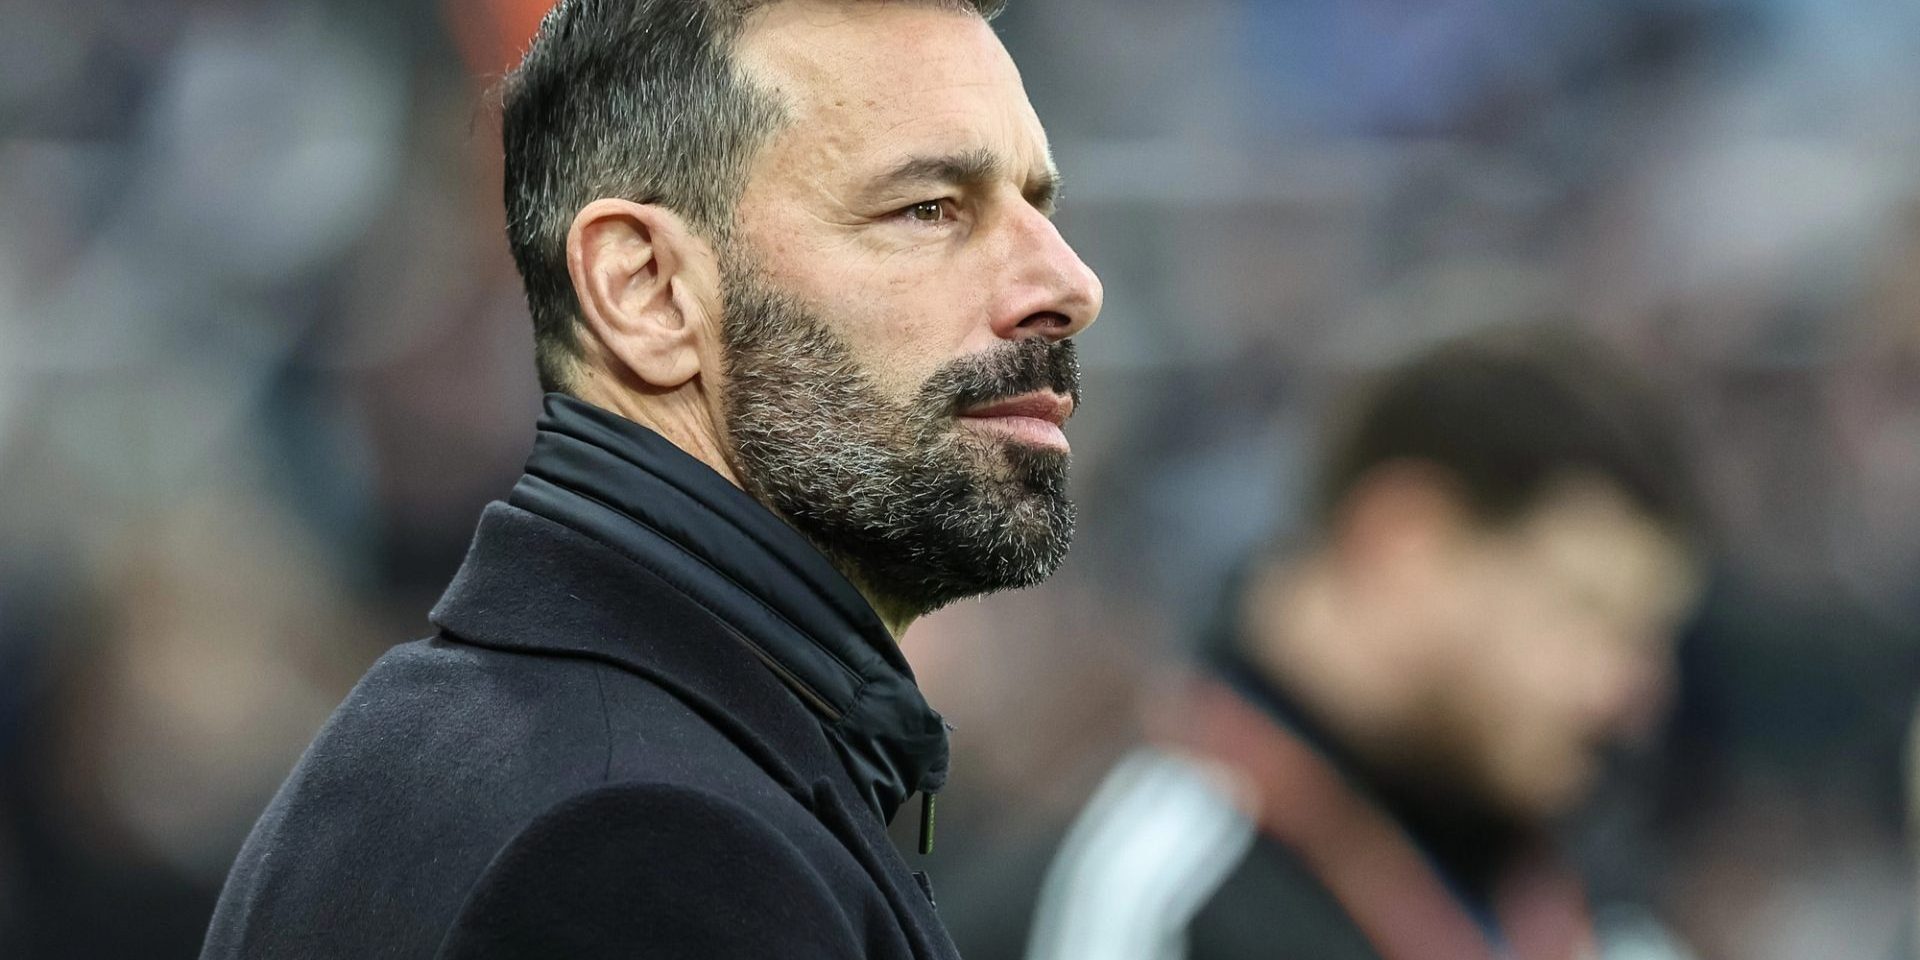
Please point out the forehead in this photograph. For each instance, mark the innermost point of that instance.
(867, 84)
(1590, 531)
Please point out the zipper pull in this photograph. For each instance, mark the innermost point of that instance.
(926, 823)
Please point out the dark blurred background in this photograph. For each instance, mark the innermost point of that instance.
(263, 357)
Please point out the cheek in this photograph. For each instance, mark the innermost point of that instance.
(1535, 677)
(900, 366)
(920, 319)
(890, 306)
(897, 353)
(939, 294)
(1460, 604)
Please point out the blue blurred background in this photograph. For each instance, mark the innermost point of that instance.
(263, 356)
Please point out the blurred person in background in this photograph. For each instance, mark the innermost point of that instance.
(804, 321)
(1393, 718)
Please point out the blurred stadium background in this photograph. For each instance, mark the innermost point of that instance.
(263, 357)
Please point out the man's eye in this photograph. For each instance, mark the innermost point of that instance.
(929, 211)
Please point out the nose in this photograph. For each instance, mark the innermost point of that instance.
(1049, 291)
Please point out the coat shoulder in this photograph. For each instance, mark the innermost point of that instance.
(439, 758)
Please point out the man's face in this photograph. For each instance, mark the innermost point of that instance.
(1556, 639)
(898, 303)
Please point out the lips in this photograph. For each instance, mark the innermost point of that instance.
(1038, 405)
(1030, 419)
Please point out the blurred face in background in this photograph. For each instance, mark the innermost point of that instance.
(898, 303)
(1549, 641)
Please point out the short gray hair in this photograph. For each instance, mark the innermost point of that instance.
(638, 99)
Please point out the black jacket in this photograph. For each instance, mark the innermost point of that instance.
(655, 723)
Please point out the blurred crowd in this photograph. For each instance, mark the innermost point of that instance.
(263, 356)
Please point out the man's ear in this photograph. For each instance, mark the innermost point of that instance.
(642, 279)
(1398, 519)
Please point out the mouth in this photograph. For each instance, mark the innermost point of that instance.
(1033, 418)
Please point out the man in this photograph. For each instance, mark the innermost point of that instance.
(1395, 713)
(805, 319)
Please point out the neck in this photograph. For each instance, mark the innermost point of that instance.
(896, 616)
(686, 420)
(681, 414)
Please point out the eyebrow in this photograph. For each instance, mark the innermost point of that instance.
(972, 168)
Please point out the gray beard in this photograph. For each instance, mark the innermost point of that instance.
(916, 509)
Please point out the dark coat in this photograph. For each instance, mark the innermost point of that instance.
(654, 723)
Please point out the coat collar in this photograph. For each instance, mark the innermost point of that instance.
(777, 599)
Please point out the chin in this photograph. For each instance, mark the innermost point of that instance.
(1556, 795)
